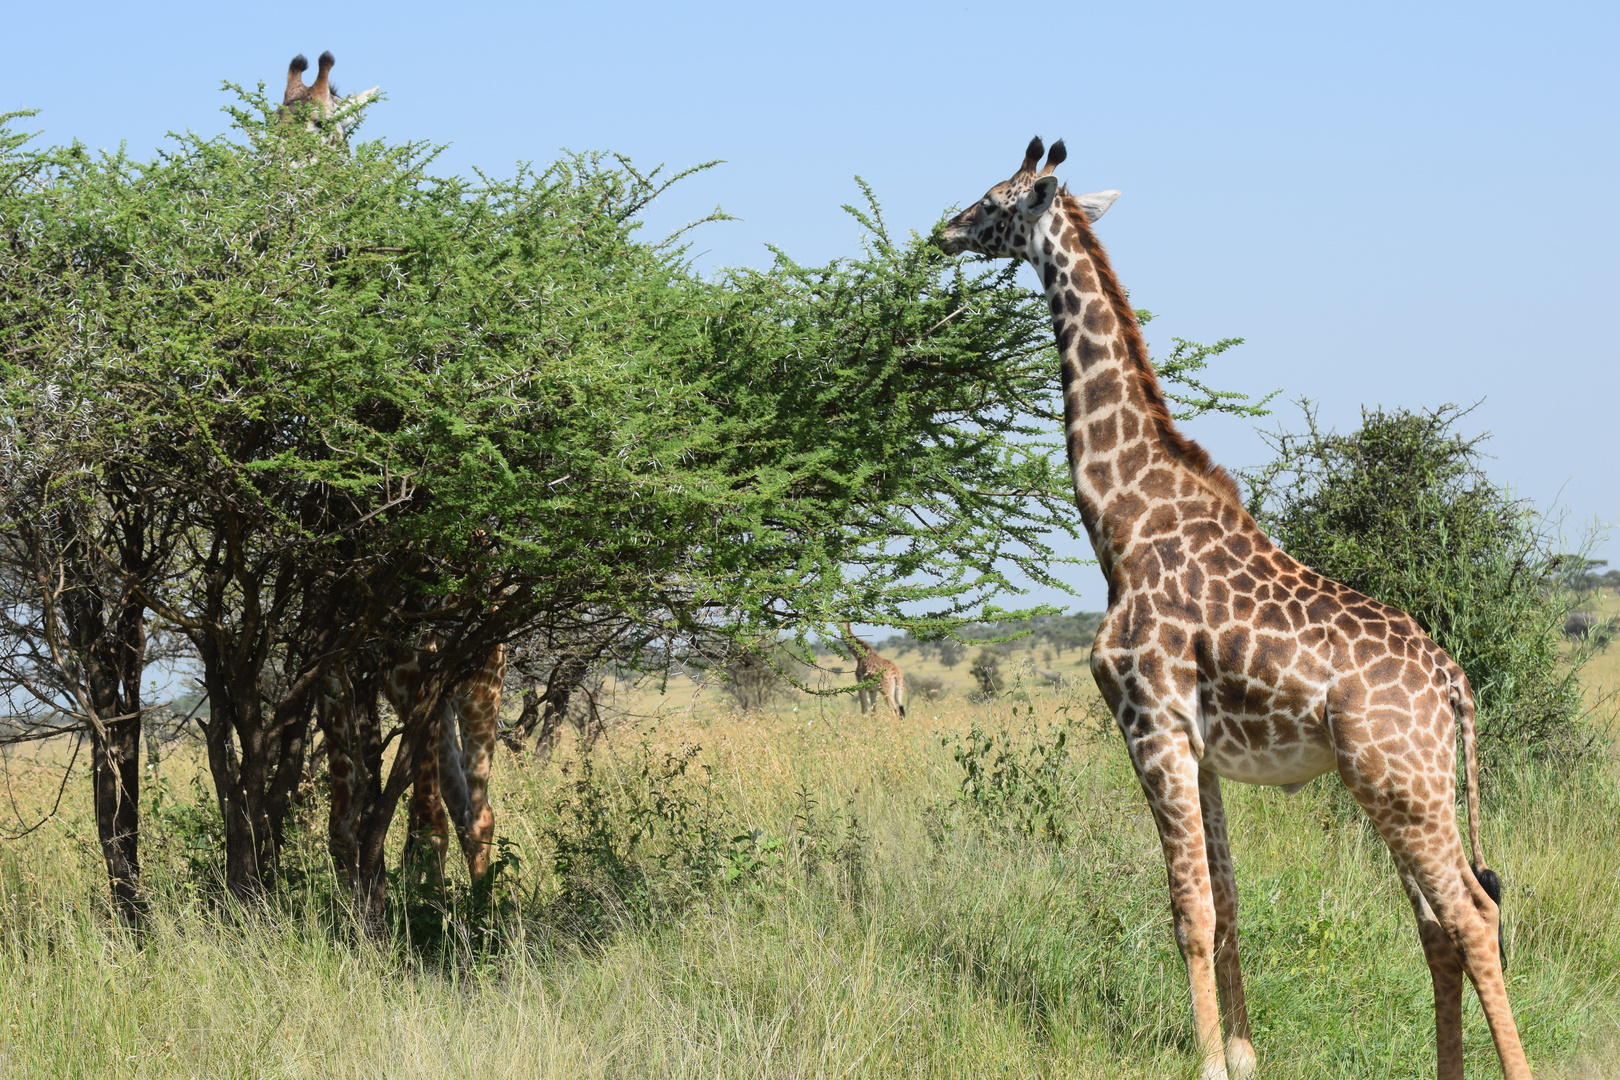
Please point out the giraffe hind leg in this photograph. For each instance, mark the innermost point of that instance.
(1428, 850)
(1446, 973)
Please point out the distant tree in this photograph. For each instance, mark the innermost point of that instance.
(1400, 510)
(986, 671)
(951, 652)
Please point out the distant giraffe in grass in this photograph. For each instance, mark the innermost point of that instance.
(890, 680)
(1221, 656)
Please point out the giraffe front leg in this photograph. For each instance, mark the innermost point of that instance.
(1240, 1060)
(427, 828)
(1169, 775)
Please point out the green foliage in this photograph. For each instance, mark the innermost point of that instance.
(1182, 367)
(1401, 510)
(637, 844)
(1020, 786)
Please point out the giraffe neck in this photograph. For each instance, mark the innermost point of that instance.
(1125, 454)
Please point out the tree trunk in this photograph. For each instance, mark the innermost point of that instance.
(113, 661)
(256, 763)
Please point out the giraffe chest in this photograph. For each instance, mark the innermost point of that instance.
(1250, 685)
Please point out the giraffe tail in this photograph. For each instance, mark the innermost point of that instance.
(1462, 707)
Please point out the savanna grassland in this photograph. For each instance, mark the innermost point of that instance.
(810, 896)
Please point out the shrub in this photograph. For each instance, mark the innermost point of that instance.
(1401, 510)
(986, 670)
(1018, 787)
(926, 687)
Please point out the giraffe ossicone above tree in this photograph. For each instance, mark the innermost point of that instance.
(319, 104)
(1221, 656)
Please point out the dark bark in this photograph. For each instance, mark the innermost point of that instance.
(105, 624)
(113, 664)
(547, 710)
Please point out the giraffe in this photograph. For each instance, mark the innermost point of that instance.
(325, 109)
(451, 772)
(869, 666)
(1220, 656)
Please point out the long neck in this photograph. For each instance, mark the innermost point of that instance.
(1125, 454)
(856, 643)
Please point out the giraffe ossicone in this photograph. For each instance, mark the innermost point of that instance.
(319, 104)
(1221, 656)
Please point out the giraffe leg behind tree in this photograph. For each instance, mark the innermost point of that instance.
(478, 709)
(427, 832)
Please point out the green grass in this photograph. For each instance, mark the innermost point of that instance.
(921, 941)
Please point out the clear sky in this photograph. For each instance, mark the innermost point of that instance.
(1396, 204)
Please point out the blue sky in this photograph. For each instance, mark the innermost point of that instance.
(1394, 204)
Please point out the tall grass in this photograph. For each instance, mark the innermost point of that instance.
(857, 918)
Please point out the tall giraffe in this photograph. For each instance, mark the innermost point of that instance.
(1222, 656)
(325, 109)
(869, 666)
(451, 771)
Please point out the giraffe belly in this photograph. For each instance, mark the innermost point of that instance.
(1276, 750)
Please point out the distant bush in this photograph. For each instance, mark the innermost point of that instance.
(1401, 510)
(926, 687)
(986, 671)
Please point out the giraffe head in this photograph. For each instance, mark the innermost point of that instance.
(1002, 223)
(319, 104)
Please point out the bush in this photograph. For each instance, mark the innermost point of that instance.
(1019, 787)
(926, 687)
(1401, 510)
(986, 670)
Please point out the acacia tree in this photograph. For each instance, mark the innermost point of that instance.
(378, 404)
(80, 533)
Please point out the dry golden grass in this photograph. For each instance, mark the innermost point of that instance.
(964, 952)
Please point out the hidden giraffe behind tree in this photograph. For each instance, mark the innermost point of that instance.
(879, 679)
(1220, 655)
(450, 784)
(319, 104)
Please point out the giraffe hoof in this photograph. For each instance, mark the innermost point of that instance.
(1240, 1062)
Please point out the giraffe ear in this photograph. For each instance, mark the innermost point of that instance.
(1039, 198)
(1097, 203)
